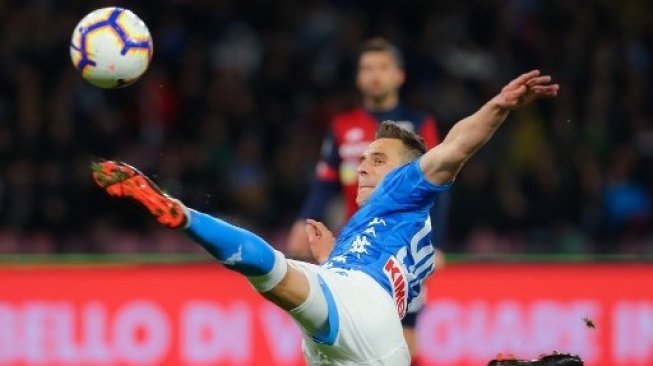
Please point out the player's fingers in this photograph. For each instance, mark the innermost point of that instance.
(321, 227)
(538, 80)
(311, 232)
(515, 98)
(545, 90)
(511, 98)
(521, 79)
(314, 224)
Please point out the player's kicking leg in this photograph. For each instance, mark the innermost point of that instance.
(238, 249)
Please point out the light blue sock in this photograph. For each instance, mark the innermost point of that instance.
(236, 248)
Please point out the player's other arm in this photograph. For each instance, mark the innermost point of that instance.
(320, 239)
(442, 163)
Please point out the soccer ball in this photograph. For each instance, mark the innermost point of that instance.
(111, 47)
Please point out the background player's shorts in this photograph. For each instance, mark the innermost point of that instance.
(416, 306)
(369, 331)
(410, 320)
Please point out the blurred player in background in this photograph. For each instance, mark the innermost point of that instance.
(379, 77)
(349, 309)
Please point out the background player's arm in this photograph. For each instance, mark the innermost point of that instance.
(325, 185)
(441, 164)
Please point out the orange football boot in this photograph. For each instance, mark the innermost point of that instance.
(121, 180)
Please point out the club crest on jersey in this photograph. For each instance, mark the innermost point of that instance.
(399, 284)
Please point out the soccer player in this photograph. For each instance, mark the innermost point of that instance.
(349, 309)
(379, 77)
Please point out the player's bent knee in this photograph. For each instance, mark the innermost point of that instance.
(284, 285)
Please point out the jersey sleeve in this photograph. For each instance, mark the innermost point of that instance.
(326, 182)
(429, 132)
(407, 186)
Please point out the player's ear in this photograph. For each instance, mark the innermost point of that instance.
(401, 77)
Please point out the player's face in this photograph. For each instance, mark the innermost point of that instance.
(378, 76)
(380, 157)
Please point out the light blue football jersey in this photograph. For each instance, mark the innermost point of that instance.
(389, 237)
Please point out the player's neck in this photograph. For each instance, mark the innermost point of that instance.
(381, 104)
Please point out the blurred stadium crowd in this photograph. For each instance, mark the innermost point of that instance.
(231, 114)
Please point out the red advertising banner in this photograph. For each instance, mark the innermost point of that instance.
(206, 315)
(604, 312)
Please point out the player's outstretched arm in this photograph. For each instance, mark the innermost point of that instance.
(442, 163)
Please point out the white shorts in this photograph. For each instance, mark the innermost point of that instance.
(368, 330)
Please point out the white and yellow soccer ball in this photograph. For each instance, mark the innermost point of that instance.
(111, 47)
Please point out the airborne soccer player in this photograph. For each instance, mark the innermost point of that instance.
(349, 309)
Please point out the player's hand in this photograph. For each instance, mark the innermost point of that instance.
(320, 240)
(297, 246)
(525, 89)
